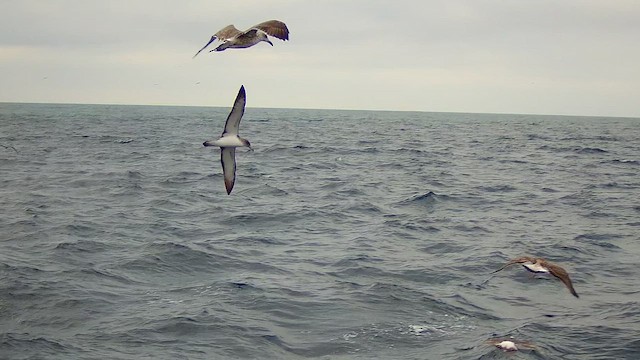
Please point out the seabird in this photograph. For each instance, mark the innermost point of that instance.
(230, 140)
(236, 39)
(508, 345)
(537, 265)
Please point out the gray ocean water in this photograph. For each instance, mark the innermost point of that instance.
(348, 235)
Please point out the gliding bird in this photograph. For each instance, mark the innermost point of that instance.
(236, 39)
(229, 140)
(510, 345)
(537, 265)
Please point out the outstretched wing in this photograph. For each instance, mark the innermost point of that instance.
(233, 120)
(274, 28)
(527, 345)
(224, 34)
(213, 38)
(562, 274)
(227, 33)
(519, 260)
(247, 36)
(228, 160)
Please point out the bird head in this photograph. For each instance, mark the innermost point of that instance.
(247, 144)
(263, 37)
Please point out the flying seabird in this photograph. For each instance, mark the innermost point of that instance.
(236, 39)
(537, 265)
(230, 140)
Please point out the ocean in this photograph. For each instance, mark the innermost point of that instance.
(348, 234)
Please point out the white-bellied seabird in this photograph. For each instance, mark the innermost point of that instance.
(230, 140)
(537, 265)
(236, 39)
(509, 345)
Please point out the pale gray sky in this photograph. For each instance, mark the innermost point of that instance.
(573, 57)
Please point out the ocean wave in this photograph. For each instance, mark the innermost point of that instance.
(428, 198)
(589, 150)
(377, 242)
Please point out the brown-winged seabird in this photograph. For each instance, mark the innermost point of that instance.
(230, 140)
(537, 265)
(509, 345)
(236, 39)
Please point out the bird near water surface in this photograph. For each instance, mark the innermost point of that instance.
(537, 265)
(230, 140)
(232, 38)
(511, 345)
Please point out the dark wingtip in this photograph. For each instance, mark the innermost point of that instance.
(502, 268)
(213, 38)
(10, 147)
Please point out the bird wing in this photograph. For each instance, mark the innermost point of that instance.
(493, 341)
(519, 260)
(228, 160)
(213, 38)
(562, 274)
(527, 345)
(247, 35)
(227, 32)
(233, 120)
(224, 34)
(274, 28)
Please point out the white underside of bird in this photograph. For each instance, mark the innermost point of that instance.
(227, 141)
(230, 140)
(536, 268)
(507, 345)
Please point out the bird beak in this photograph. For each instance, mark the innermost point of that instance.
(250, 148)
(270, 43)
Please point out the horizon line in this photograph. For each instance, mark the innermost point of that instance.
(323, 109)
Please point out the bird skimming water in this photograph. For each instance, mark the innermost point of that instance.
(537, 265)
(230, 140)
(236, 39)
(511, 345)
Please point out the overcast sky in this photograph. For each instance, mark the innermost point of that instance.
(573, 57)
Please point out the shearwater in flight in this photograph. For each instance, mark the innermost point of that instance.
(510, 345)
(236, 39)
(537, 265)
(230, 140)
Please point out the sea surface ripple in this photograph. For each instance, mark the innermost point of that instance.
(348, 235)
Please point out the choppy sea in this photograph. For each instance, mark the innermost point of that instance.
(348, 235)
